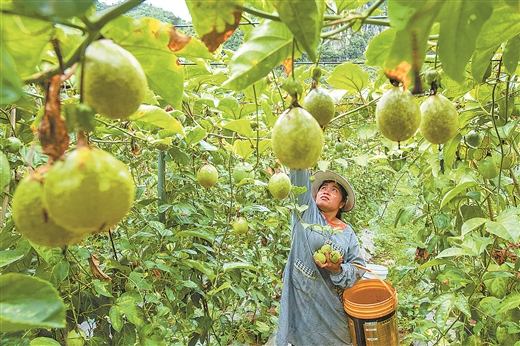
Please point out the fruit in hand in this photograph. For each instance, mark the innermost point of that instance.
(89, 191)
(297, 139)
(114, 83)
(32, 219)
(398, 115)
(320, 105)
(240, 225)
(325, 247)
(334, 256)
(439, 119)
(207, 175)
(279, 185)
(488, 168)
(243, 171)
(318, 256)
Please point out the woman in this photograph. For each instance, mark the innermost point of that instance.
(311, 311)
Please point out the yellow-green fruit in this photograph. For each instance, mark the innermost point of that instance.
(13, 144)
(326, 247)
(279, 185)
(32, 219)
(473, 139)
(297, 139)
(398, 115)
(89, 191)
(320, 105)
(339, 147)
(114, 83)
(240, 225)
(320, 257)
(509, 157)
(207, 175)
(488, 168)
(334, 256)
(440, 120)
(243, 171)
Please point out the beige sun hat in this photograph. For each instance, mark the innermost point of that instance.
(321, 176)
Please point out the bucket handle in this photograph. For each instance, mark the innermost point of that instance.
(392, 292)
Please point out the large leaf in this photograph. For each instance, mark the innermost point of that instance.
(128, 305)
(472, 224)
(264, 48)
(53, 10)
(5, 171)
(158, 117)
(239, 265)
(411, 41)
(481, 63)
(379, 47)
(461, 22)
(241, 126)
(305, 20)
(203, 267)
(9, 256)
(148, 40)
(456, 191)
(11, 84)
(28, 302)
(511, 54)
(349, 76)
(507, 225)
(214, 20)
(503, 25)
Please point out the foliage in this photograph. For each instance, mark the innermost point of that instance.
(173, 272)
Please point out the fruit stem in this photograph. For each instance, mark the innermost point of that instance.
(81, 141)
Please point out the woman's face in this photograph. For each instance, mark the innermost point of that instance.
(329, 197)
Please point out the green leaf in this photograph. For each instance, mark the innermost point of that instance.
(411, 41)
(53, 10)
(453, 251)
(304, 19)
(456, 191)
(472, 224)
(461, 22)
(28, 302)
(241, 126)
(197, 233)
(379, 47)
(238, 265)
(148, 40)
(116, 318)
(481, 63)
(229, 105)
(511, 301)
(195, 135)
(450, 149)
(503, 25)
(5, 171)
(128, 305)
(43, 341)
(243, 148)
(203, 267)
(511, 54)
(264, 48)
(436, 262)
(103, 288)
(349, 76)
(10, 256)
(507, 228)
(158, 117)
(462, 304)
(11, 84)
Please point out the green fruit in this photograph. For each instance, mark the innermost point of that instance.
(479, 154)
(240, 225)
(318, 256)
(13, 144)
(207, 175)
(440, 120)
(114, 83)
(488, 168)
(32, 219)
(279, 185)
(398, 115)
(334, 256)
(325, 247)
(473, 139)
(89, 191)
(243, 171)
(76, 338)
(509, 159)
(320, 105)
(339, 147)
(297, 139)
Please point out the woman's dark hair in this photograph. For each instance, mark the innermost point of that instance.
(344, 194)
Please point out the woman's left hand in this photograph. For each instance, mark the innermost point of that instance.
(334, 268)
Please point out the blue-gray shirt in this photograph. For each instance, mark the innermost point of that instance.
(311, 311)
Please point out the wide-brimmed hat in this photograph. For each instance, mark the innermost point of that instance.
(321, 176)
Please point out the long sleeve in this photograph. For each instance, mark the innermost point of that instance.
(349, 274)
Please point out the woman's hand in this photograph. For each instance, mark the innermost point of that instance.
(334, 268)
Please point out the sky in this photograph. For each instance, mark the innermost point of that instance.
(178, 7)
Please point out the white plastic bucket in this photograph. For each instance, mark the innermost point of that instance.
(380, 270)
